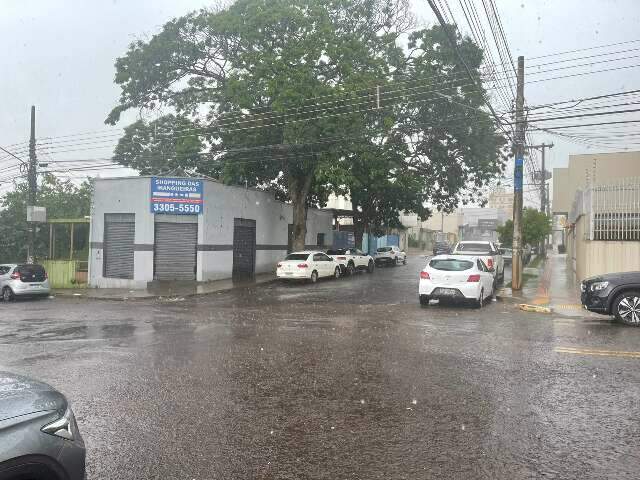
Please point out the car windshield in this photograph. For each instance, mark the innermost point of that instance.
(297, 256)
(384, 249)
(339, 251)
(451, 265)
(473, 247)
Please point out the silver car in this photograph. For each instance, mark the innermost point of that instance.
(39, 438)
(23, 280)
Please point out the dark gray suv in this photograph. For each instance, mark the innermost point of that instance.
(39, 438)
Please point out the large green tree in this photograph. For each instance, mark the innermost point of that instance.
(308, 97)
(535, 227)
(62, 199)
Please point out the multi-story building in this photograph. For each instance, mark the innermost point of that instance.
(502, 199)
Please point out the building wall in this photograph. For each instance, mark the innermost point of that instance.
(503, 200)
(589, 258)
(214, 254)
(597, 168)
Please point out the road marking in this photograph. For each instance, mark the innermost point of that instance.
(596, 352)
(568, 306)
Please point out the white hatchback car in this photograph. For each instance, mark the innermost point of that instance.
(462, 278)
(26, 280)
(309, 265)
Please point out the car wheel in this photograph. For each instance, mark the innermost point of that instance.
(351, 269)
(370, 267)
(480, 301)
(7, 294)
(404, 261)
(626, 308)
(336, 273)
(314, 277)
(424, 300)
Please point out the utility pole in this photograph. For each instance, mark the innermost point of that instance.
(32, 178)
(516, 263)
(544, 195)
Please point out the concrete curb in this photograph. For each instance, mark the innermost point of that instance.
(157, 297)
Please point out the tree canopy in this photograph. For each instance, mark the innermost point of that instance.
(535, 227)
(309, 97)
(62, 199)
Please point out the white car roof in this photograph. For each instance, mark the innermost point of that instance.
(455, 257)
(306, 252)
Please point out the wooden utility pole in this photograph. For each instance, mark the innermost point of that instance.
(32, 177)
(516, 263)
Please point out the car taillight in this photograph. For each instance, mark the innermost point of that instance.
(424, 275)
(15, 276)
(279, 265)
(303, 265)
(489, 263)
(473, 278)
(46, 276)
(342, 258)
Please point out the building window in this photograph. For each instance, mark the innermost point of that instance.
(320, 241)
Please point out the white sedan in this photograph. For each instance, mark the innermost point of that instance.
(309, 265)
(459, 277)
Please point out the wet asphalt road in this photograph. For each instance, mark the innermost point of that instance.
(346, 379)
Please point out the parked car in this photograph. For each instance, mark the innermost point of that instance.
(616, 294)
(507, 255)
(441, 248)
(23, 280)
(456, 277)
(351, 260)
(489, 253)
(308, 265)
(390, 256)
(39, 437)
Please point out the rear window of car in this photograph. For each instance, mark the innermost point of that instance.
(384, 249)
(473, 247)
(339, 251)
(451, 265)
(297, 256)
(31, 269)
(4, 269)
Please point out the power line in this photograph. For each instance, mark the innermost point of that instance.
(584, 49)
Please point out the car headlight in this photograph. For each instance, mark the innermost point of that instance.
(64, 427)
(597, 286)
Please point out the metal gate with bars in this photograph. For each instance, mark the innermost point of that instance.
(175, 251)
(244, 247)
(119, 239)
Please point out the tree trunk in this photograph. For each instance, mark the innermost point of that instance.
(358, 228)
(299, 190)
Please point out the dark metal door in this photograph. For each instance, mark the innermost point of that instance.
(119, 238)
(244, 247)
(175, 251)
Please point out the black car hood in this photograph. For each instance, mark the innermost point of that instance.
(21, 395)
(616, 278)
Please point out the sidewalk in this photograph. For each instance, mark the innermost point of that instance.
(549, 285)
(164, 290)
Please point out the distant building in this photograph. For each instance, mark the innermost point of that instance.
(503, 200)
(481, 223)
(596, 202)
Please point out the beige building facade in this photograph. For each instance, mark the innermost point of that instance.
(599, 194)
(502, 199)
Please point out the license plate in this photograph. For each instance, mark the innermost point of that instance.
(34, 285)
(447, 291)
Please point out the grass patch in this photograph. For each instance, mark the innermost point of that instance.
(535, 263)
(525, 277)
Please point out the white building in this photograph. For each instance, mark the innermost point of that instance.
(209, 231)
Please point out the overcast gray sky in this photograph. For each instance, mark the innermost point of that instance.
(59, 56)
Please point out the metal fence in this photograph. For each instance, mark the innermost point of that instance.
(612, 210)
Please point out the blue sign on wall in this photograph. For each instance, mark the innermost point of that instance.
(177, 196)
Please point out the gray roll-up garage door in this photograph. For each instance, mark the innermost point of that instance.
(244, 247)
(119, 237)
(175, 251)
